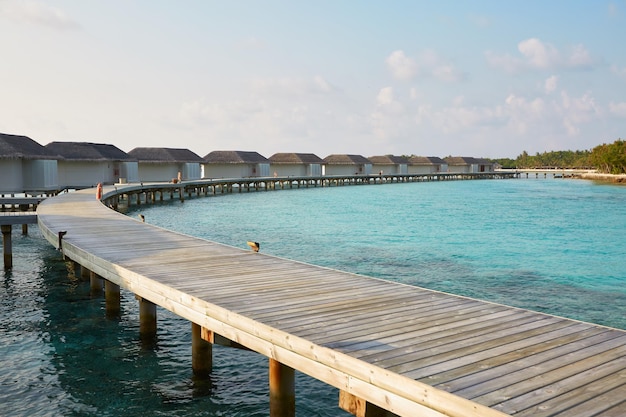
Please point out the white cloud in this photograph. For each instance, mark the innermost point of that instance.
(458, 100)
(401, 66)
(523, 114)
(390, 119)
(518, 115)
(38, 13)
(447, 73)
(462, 119)
(539, 55)
(620, 72)
(577, 111)
(292, 86)
(505, 62)
(618, 109)
(550, 84)
(385, 96)
(579, 57)
(428, 63)
(580, 109)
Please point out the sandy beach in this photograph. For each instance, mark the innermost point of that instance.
(619, 178)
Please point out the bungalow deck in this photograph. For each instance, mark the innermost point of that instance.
(386, 346)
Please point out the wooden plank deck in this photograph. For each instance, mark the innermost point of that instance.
(409, 350)
(17, 217)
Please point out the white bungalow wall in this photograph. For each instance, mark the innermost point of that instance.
(460, 169)
(288, 170)
(389, 169)
(314, 170)
(262, 170)
(129, 171)
(296, 170)
(342, 170)
(40, 175)
(151, 172)
(191, 171)
(231, 170)
(87, 174)
(164, 172)
(365, 169)
(12, 176)
(427, 169)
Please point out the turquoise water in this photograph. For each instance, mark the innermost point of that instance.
(556, 246)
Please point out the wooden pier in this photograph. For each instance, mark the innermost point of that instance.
(13, 211)
(548, 172)
(140, 193)
(391, 349)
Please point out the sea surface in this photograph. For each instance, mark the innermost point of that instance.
(551, 245)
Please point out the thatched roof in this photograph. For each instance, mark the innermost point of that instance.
(344, 159)
(388, 160)
(466, 160)
(164, 155)
(16, 146)
(295, 158)
(235, 157)
(426, 160)
(86, 151)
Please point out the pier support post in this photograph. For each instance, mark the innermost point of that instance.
(147, 319)
(7, 247)
(25, 229)
(282, 390)
(201, 353)
(96, 283)
(112, 299)
(361, 408)
(85, 273)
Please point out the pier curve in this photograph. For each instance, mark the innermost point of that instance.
(325, 323)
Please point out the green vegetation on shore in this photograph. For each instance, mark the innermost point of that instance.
(610, 159)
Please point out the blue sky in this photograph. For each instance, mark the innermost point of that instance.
(483, 78)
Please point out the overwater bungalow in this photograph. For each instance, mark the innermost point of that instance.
(26, 166)
(468, 164)
(86, 164)
(427, 165)
(235, 164)
(389, 164)
(165, 164)
(296, 164)
(344, 164)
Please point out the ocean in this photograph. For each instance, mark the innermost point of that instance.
(552, 245)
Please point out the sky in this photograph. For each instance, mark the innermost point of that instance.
(431, 78)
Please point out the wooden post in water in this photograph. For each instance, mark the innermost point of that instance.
(7, 247)
(25, 229)
(96, 283)
(112, 298)
(282, 390)
(85, 273)
(201, 353)
(147, 319)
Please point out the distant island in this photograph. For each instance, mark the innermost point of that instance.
(605, 159)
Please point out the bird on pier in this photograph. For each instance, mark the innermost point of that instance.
(255, 246)
(142, 217)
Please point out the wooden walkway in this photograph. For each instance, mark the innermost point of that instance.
(411, 351)
(19, 210)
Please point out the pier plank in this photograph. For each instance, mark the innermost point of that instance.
(408, 350)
